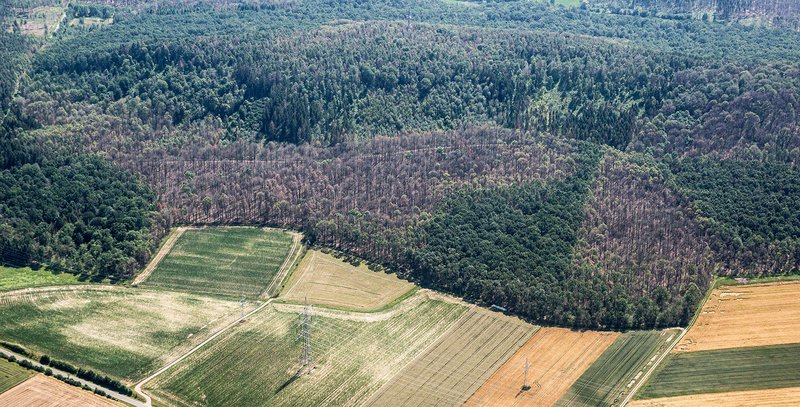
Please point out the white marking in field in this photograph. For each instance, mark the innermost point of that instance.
(631, 383)
(670, 338)
(654, 357)
(638, 375)
(653, 368)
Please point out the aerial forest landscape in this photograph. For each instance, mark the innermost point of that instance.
(382, 203)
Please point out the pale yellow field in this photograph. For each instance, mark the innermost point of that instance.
(746, 315)
(40, 391)
(325, 280)
(557, 357)
(768, 398)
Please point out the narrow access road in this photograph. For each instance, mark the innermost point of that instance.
(112, 393)
(653, 368)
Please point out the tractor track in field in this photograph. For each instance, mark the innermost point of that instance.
(165, 249)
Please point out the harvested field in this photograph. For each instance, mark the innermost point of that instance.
(40, 390)
(458, 363)
(12, 374)
(616, 371)
(230, 261)
(122, 332)
(557, 358)
(255, 364)
(746, 315)
(725, 370)
(788, 397)
(326, 280)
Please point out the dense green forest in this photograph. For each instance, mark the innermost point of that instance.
(588, 166)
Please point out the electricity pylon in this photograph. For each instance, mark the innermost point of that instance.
(305, 336)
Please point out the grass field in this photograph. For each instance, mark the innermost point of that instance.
(746, 315)
(789, 397)
(255, 364)
(725, 370)
(456, 365)
(325, 280)
(16, 278)
(40, 390)
(12, 374)
(609, 379)
(43, 20)
(222, 261)
(557, 358)
(121, 332)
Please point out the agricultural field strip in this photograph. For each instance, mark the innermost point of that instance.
(342, 337)
(784, 397)
(138, 387)
(327, 281)
(12, 374)
(726, 370)
(414, 378)
(495, 388)
(28, 294)
(112, 393)
(288, 262)
(609, 372)
(41, 390)
(162, 252)
(650, 371)
(726, 319)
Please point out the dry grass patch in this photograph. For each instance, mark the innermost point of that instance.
(557, 358)
(41, 391)
(788, 397)
(326, 280)
(744, 316)
(458, 363)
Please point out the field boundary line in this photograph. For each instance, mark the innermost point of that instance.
(162, 252)
(288, 262)
(653, 368)
(421, 354)
(139, 386)
(93, 386)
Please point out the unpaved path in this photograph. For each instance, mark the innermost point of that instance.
(165, 248)
(23, 293)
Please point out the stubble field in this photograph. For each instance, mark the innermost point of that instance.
(557, 358)
(325, 280)
(40, 391)
(746, 315)
(458, 363)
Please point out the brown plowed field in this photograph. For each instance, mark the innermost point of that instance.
(788, 397)
(746, 315)
(556, 356)
(40, 391)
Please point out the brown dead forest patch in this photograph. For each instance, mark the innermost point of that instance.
(40, 391)
(556, 358)
(746, 315)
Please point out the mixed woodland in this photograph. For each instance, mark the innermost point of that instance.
(581, 166)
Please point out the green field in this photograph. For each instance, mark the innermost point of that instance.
(16, 278)
(122, 332)
(256, 363)
(12, 374)
(608, 377)
(716, 371)
(223, 261)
